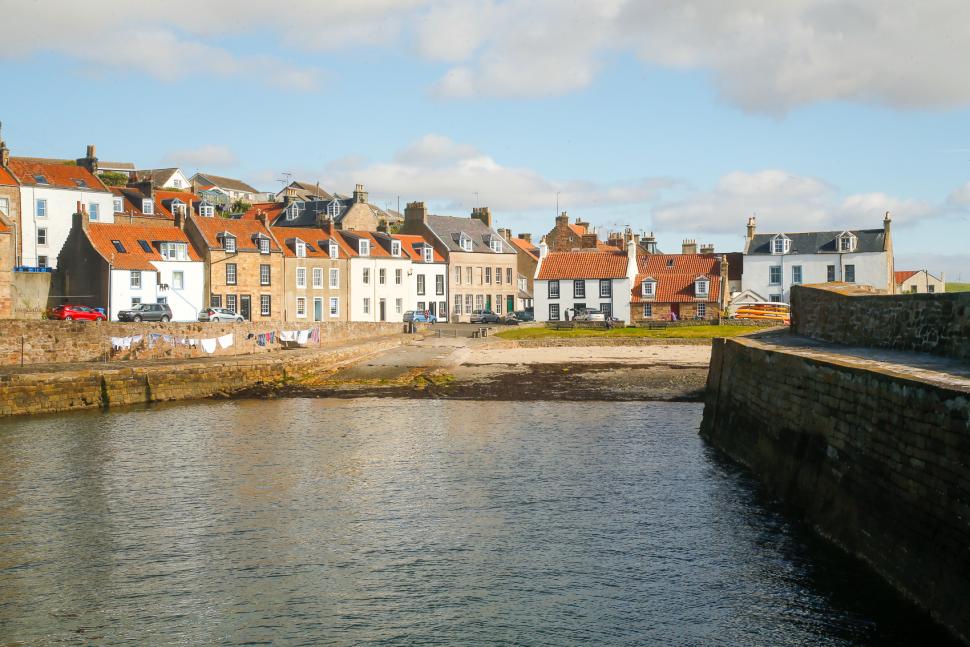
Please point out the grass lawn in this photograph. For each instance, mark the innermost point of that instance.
(679, 332)
(957, 287)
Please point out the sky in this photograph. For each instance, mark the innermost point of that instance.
(679, 117)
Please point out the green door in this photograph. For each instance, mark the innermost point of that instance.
(488, 303)
(510, 303)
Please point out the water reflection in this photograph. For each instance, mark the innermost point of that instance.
(410, 522)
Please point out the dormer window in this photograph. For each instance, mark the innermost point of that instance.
(395, 248)
(334, 250)
(363, 247)
(263, 245)
(701, 286)
(496, 246)
(333, 209)
(847, 242)
(147, 207)
(780, 244)
(300, 249)
(649, 287)
(40, 179)
(178, 208)
(229, 243)
(119, 205)
(293, 211)
(466, 242)
(81, 184)
(207, 210)
(428, 252)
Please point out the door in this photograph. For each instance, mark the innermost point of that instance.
(431, 307)
(245, 306)
(510, 303)
(488, 303)
(383, 306)
(318, 309)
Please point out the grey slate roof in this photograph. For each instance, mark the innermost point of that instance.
(308, 210)
(821, 242)
(158, 176)
(448, 229)
(227, 183)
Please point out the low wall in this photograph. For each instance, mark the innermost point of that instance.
(876, 461)
(30, 294)
(929, 323)
(40, 342)
(112, 385)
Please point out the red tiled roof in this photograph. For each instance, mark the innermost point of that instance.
(59, 176)
(271, 209)
(6, 178)
(675, 275)
(583, 265)
(134, 257)
(408, 242)
(312, 236)
(579, 230)
(243, 230)
(376, 249)
(525, 246)
(903, 275)
(132, 204)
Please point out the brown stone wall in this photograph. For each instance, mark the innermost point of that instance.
(82, 341)
(12, 194)
(562, 238)
(875, 461)
(478, 262)
(247, 281)
(929, 323)
(30, 294)
(291, 292)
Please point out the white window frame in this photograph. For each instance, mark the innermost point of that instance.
(427, 253)
(439, 284)
(773, 271)
(395, 248)
(366, 306)
(147, 207)
(496, 246)
(5, 206)
(365, 276)
(134, 280)
(334, 250)
(207, 210)
(458, 302)
(178, 280)
(263, 245)
(42, 236)
(398, 306)
(119, 205)
(269, 274)
(265, 305)
(232, 270)
(229, 244)
(382, 276)
(363, 247)
(648, 288)
(701, 310)
(317, 278)
(300, 249)
(301, 278)
(420, 284)
(94, 211)
(647, 310)
(796, 274)
(334, 306)
(301, 307)
(701, 287)
(398, 276)
(40, 208)
(334, 278)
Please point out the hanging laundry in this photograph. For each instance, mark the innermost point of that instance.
(250, 336)
(192, 342)
(225, 341)
(315, 335)
(208, 345)
(136, 339)
(153, 338)
(288, 335)
(303, 337)
(168, 339)
(261, 339)
(120, 342)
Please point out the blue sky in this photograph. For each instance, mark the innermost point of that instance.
(682, 119)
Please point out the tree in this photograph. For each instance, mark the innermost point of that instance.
(113, 178)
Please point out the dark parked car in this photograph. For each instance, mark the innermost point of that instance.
(68, 312)
(525, 315)
(485, 316)
(146, 312)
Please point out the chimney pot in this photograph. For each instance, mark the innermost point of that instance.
(484, 214)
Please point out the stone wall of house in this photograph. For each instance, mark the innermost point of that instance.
(111, 385)
(877, 462)
(30, 295)
(38, 342)
(929, 323)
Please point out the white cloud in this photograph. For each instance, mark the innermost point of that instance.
(209, 156)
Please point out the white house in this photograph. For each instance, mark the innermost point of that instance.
(50, 192)
(775, 262)
(569, 281)
(427, 277)
(234, 189)
(169, 178)
(116, 266)
(378, 286)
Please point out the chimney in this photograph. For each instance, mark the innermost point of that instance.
(632, 268)
(526, 237)
(484, 214)
(562, 220)
(543, 250)
(887, 224)
(649, 244)
(261, 217)
(582, 225)
(725, 290)
(415, 212)
(4, 151)
(327, 227)
(146, 186)
(751, 227)
(688, 247)
(359, 194)
(90, 160)
(505, 233)
(81, 217)
(588, 241)
(180, 219)
(707, 249)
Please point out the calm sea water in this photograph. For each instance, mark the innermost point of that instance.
(389, 522)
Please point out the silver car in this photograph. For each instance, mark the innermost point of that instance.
(219, 314)
(588, 314)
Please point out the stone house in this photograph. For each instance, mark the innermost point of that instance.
(482, 266)
(10, 199)
(379, 269)
(243, 265)
(919, 282)
(678, 286)
(527, 259)
(354, 213)
(8, 258)
(566, 236)
(774, 262)
(574, 280)
(305, 191)
(115, 266)
(427, 278)
(168, 178)
(316, 274)
(141, 204)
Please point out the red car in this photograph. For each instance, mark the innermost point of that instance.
(75, 313)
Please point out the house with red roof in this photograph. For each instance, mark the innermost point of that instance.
(117, 265)
(527, 259)
(316, 273)
(919, 282)
(671, 287)
(567, 236)
(379, 289)
(427, 276)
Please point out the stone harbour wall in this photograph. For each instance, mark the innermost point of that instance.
(929, 323)
(877, 462)
(41, 342)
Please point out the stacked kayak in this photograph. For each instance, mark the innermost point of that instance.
(779, 312)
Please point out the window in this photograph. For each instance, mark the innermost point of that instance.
(606, 309)
(178, 208)
(263, 245)
(930, 289)
(134, 280)
(94, 210)
(439, 284)
(334, 306)
(850, 273)
(333, 209)
(135, 301)
(420, 305)
(293, 211)
(606, 288)
(301, 306)
(488, 276)
(701, 310)
(230, 273)
(830, 273)
(778, 246)
(147, 207)
(229, 243)
(508, 275)
(398, 305)
(398, 276)
(701, 287)
(457, 304)
(173, 251)
(428, 253)
(498, 304)
(363, 247)
(301, 278)
(496, 246)
(334, 277)
(317, 278)
(334, 250)
(479, 301)
(846, 243)
(579, 289)
(553, 312)
(458, 274)
(774, 275)
(468, 303)
(5, 206)
(119, 205)
(775, 298)
(42, 236)
(465, 242)
(177, 183)
(498, 275)
(366, 306)
(796, 274)
(207, 211)
(382, 276)
(300, 249)
(366, 276)
(42, 261)
(41, 208)
(647, 310)
(468, 275)
(40, 179)
(178, 280)
(553, 289)
(649, 287)
(421, 284)
(395, 248)
(231, 302)
(443, 308)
